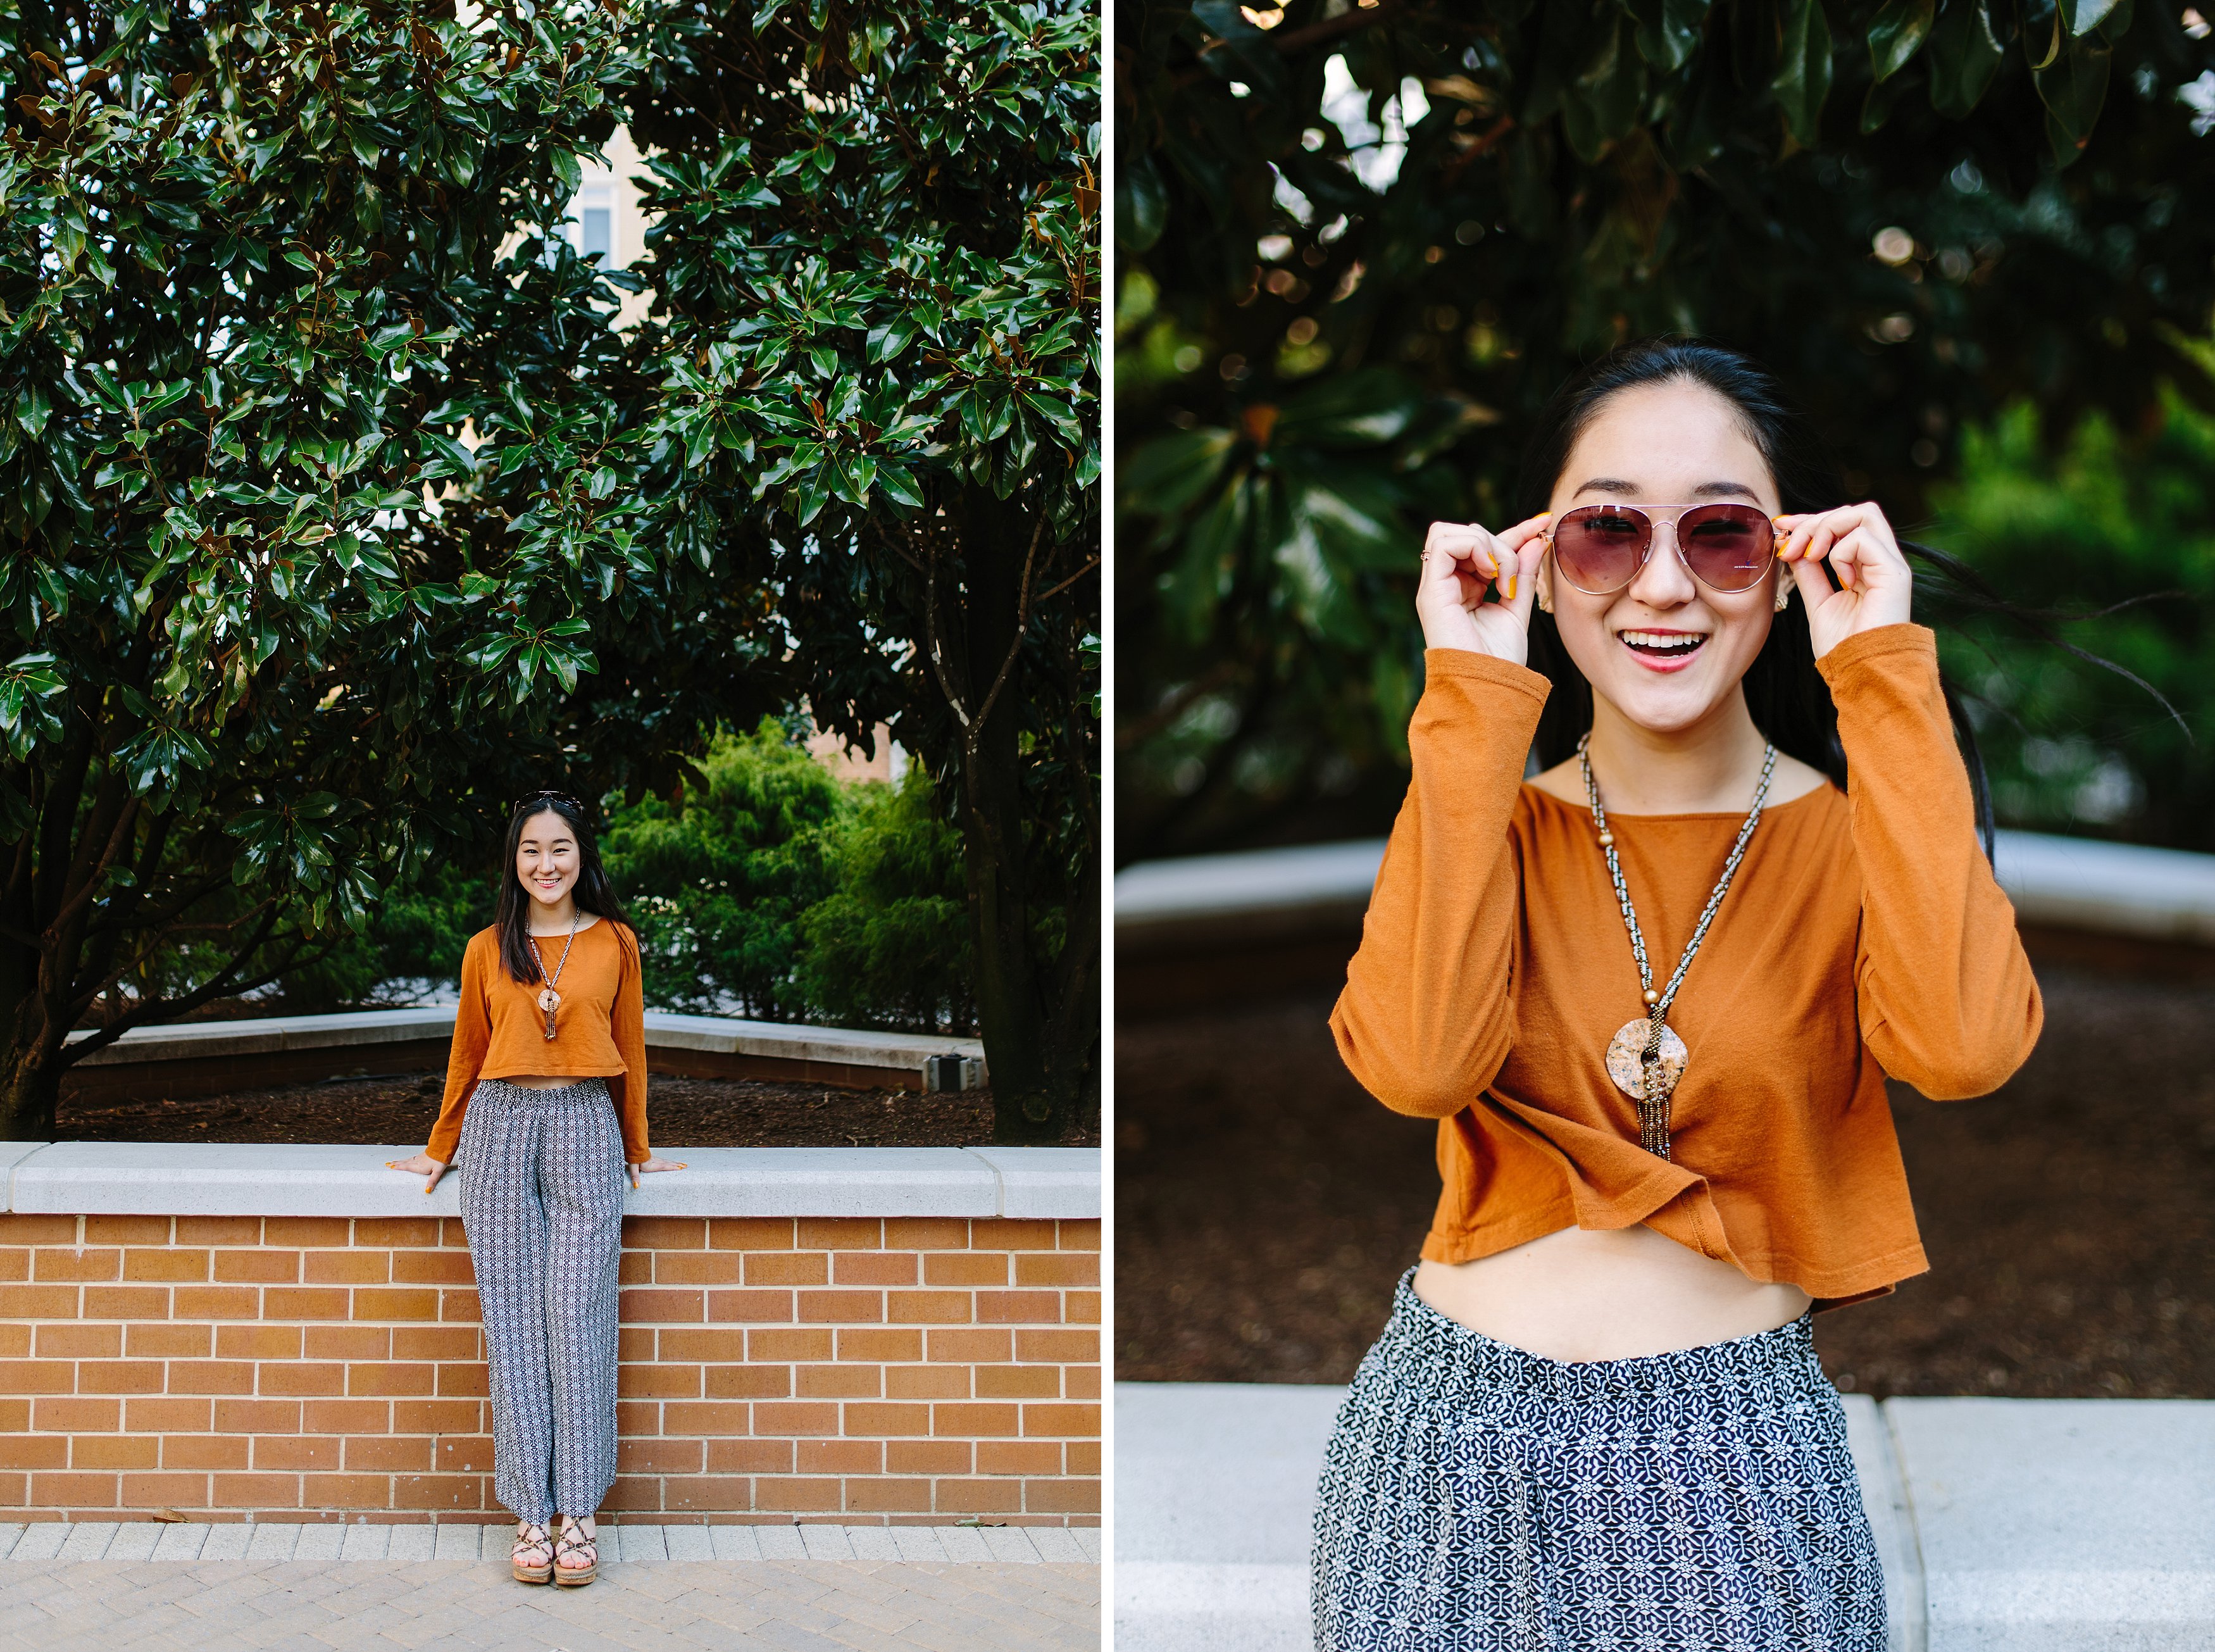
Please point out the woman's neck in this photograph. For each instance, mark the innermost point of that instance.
(1712, 766)
(555, 918)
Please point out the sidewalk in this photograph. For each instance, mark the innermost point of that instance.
(103, 1587)
(2004, 1525)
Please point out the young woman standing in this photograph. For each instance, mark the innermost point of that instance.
(1652, 995)
(546, 1101)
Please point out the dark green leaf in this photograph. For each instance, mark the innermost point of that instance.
(1896, 35)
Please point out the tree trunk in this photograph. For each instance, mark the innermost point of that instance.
(30, 1089)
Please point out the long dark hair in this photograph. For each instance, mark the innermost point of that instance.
(1788, 700)
(592, 891)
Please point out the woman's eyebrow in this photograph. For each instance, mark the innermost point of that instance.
(1705, 490)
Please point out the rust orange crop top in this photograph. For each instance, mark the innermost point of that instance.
(1864, 934)
(599, 1033)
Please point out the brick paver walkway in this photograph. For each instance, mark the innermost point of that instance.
(97, 1586)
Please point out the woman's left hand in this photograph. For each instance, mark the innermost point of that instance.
(637, 1170)
(1874, 585)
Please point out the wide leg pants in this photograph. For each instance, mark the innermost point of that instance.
(541, 1203)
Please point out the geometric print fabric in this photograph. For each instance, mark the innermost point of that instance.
(541, 1204)
(1480, 1498)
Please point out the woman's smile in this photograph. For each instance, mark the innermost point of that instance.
(1662, 649)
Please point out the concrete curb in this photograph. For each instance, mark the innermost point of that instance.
(113, 1178)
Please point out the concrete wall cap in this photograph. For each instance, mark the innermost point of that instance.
(294, 1179)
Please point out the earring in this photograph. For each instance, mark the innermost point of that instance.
(1783, 594)
(1545, 585)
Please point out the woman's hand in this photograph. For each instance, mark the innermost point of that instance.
(651, 1164)
(1459, 559)
(1858, 543)
(423, 1165)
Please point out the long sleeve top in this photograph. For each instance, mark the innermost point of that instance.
(1864, 936)
(600, 1031)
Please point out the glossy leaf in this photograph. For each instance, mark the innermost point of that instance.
(1898, 34)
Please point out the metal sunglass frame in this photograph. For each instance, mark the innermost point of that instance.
(1648, 519)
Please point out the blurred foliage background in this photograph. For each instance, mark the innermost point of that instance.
(1358, 244)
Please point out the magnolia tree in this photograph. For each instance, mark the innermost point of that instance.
(874, 356)
(320, 535)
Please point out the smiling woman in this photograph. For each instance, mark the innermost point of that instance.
(1652, 1178)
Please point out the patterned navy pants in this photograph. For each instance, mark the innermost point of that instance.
(542, 1203)
(1480, 1498)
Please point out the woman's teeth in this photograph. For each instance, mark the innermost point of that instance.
(1663, 641)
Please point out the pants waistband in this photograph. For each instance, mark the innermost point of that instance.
(584, 1090)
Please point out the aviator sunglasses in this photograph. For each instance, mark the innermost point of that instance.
(1599, 549)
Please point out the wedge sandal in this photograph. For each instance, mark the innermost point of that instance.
(531, 1539)
(572, 1541)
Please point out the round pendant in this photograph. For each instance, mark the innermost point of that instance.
(550, 1000)
(1625, 1049)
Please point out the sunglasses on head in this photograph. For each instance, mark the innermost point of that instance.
(548, 796)
(1600, 549)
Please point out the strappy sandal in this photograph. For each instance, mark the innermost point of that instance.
(572, 1541)
(531, 1539)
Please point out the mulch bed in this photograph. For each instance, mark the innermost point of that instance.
(690, 1112)
(1264, 1206)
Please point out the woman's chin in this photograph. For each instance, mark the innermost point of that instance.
(1666, 703)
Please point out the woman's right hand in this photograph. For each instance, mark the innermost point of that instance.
(1459, 559)
(423, 1165)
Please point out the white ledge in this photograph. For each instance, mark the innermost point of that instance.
(119, 1178)
(664, 1030)
(2077, 883)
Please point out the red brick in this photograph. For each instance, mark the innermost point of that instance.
(168, 1341)
(635, 1267)
(751, 1233)
(929, 1457)
(396, 1303)
(69, 1415)
(257, 1342)
(126, 1301)
(208, 1454)
(749, 1457)
(255, 1416)
(387, 1454)
(15, 1415)
(126, 1229)
(1058, 1347)
(842, 1233)
(1081, 1307)
(462, 1381)
(171, 1265)
(37, 1377)
(297, 1453)
(839, 1382)
(875, 1345)
(74, 1490)
(639, 1416)
(441, 1491)
(454, 1231)
(735, 1382)
(164, 1490)
(1003, 1233)
(966, 1268)
(368, 1491)
(820, 1495)
(1080, 1421)
(926, 1234)
(879, 1495)
(841, 1457)
(697, 1267)
(254, 1490)
(345, 1266)
(456, 1417)
(1019, 1308)
(307, 1302)
(684, 1418)
(218, 1229)
(1081, 1233)
(303, 1377)
(432, 1268)
(306, 1232)
(1080, 1381)
(1062, 1497)
(930, 1307)
(705, 1344)
(1061, 1268)
(1017, 1382)
(977, 1421)
(37, 1229)
(459, 1305)
(1081, 1457)
(38, 1301)
(664, 1232)
(663, 1307)
(971, 1347)
(34, 1452)
(220, 1302)
(679, 1382)
(1018, 1457)
(120, 1377)
(636, 1342)
(83, 1267)
(757, 1307)
(370, 1376)
(879, 1420)
(341, 1416)
(978, 1496)
(807, 1342)
(396, 1232)
(788, 1267)
(714, 1493)
(437, 1342)
(73, 1340)
(835, 1307)
(257, 1267)
(927, 1382)
(795, 1417)
(635, 1494)
(874, 1266)
(464, 1453)
(658, 1456)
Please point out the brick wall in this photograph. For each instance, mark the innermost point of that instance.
(897, 1369)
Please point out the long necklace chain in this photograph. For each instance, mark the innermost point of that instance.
(550, 1000)
(1654, 1087)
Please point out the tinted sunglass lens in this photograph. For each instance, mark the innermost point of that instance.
(1598, 548)
(1727, 547)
